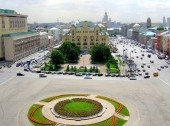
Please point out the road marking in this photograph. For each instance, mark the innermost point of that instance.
(6, 81)
(164, 82)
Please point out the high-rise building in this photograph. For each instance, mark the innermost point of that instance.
(168, 22)
(148, 23)
(15, 40)
(164, 21)
(105, 18)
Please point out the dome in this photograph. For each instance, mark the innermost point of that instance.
(136, 26)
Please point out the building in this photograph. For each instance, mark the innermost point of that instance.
(164, 21)
(135, 32)
(168, 22)
(86, 34)
(148, 23)
(20, 45)
(15, 40)
(44, 42)
(55, 33)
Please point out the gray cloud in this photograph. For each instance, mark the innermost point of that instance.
(68, 10)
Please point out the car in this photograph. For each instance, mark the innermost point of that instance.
(143, 55)
(166, 66)
(143, 70)
(142, 66)
(107, 75)
(162, 67)
(141, 58)
(132, 78)
(155, 74)
(146, 76)
(0, 67)
(26, 69)
(87, 77)
(20, 74)
(151, 61)
(78, 74)
(146, 73)
(148, 66)
(159, 69)
(100, 74)
(137, 56)
(42, 75)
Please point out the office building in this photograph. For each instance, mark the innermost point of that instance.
(15, 40)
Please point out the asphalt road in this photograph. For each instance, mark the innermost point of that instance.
(147, 100)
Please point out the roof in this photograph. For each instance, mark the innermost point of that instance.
(43, 33)
(21, 34)
(149, 33)
(10, 13)
(85, 24)
(7, 11)
(54, 28)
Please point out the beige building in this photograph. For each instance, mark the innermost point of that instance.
(86, 34)
(44, 41)
(10, 22)
(20, 45)
(15, 40)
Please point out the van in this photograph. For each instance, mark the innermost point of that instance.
(155, 74)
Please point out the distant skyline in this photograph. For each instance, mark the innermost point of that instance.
(125, 11)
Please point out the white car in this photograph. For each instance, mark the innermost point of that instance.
(87, 77)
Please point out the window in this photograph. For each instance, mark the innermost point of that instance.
(78, 43)
(92, 43)
(84, 43)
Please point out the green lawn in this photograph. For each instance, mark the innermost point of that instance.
(38, 115)
(113, 69)
(125, 111)
(120, 122)
(78, 107)
(114, 103)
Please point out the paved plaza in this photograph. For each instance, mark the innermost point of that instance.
(147, 100)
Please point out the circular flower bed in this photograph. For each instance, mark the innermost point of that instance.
(78, 107)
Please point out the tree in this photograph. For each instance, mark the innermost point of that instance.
(68, 68)
(71, 51)
(100, 53)
(57, 58)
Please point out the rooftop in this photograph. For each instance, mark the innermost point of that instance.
(20, 34)
(7, 11)
(10, 13)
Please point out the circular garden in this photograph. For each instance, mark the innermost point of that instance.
(78, 106)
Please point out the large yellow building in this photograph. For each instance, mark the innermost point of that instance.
(86, 34)
(15, 40)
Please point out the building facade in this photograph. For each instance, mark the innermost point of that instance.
(15, 40)
(10, 22)
(55, 33)
(44, 42)
(85, 34)
(20, 45)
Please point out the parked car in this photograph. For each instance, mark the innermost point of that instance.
(42, 75)
(166, 66)
(132, 78)
(155, 74)
(159, 69)
(87, 77)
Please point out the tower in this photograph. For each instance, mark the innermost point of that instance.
(148, 23)
(164, 22)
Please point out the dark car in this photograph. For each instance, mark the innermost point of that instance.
(42, 75)
(100, 74)
(146, 76)
(20, 74)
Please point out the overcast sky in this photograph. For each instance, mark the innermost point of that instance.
(93, 10)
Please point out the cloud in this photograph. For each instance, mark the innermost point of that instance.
(68, 10)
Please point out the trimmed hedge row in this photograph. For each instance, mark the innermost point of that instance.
(59, 108)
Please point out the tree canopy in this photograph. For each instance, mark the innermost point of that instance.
(70, 51)
(57, 58)
(100, 53)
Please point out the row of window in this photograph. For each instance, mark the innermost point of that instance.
(90, 43)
